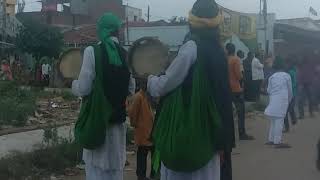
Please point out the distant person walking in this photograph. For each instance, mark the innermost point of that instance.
(306, 73)
(249, 94)
(257, 77)
(235, 76)
(45, 69)
(240, 55)
(291, 110)
(280, 95)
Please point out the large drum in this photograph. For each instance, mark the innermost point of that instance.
(70, 63)
(148, 56)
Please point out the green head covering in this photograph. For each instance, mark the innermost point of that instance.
(106, 25)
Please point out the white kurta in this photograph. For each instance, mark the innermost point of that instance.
(159, 86)
(257, 70)
(280, 94)
(107, 161)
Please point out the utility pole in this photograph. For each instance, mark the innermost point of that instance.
(265, 18)
(148, 14)
(4, 24)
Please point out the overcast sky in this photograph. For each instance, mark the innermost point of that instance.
(164, 9)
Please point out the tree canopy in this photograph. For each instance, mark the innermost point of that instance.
(39, 40)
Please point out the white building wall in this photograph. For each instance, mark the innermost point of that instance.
(172, 36)
(133, 14)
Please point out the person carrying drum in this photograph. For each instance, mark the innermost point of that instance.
(103, 83)
(194, 122)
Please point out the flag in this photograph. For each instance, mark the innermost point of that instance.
(313, 11)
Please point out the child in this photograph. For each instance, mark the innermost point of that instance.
(141, 118)
(280, 94)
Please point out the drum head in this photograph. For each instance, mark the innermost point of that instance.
(148, 56)
(70, 63)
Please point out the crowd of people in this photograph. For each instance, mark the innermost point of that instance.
(17, 71)
(290, 83)
(190, 133)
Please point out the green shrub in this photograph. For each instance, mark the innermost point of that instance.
(40, 163)
(15, 104)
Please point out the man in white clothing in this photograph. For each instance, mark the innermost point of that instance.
(257, 76)
(103, 103)
(280, 95)
(186, 137)
(46, 68)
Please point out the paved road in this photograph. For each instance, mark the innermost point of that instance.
(255, 161)
(27, 141)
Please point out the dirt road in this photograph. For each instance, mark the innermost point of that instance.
(253, 160)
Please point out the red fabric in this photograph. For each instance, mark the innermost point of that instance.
(5, 68)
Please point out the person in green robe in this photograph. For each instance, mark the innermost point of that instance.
(103, 84)
(194, 121)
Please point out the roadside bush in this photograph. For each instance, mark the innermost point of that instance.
(15, 104)
(40, 163)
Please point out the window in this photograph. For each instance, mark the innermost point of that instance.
(245, 24)
(135, 18)
(227, 23)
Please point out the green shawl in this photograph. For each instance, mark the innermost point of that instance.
(187, 128)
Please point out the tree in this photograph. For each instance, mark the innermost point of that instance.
(39, 40)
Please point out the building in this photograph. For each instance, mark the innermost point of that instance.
(133, 14)
(240, 24)
(9, 25)
(11, 7)
(171, 35)
(79, 7)
(265, 35)
(245, 26)
(80, 12)
(296, 37)
(249, 27)
(96, 8)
